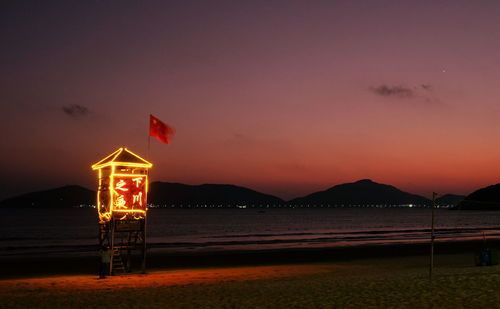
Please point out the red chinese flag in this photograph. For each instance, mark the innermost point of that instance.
(160, 130)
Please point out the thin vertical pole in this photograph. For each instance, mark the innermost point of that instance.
(149, 134)
(128, 265)
(149, 144)
(431, 266)
(143, 266)
(148, 174)
(112, 222)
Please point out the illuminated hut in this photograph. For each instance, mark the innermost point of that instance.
(122, 206)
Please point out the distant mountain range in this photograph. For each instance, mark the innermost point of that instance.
(64, 197)
(167, 193)
(487, 198)
(160, 193)
(362, 192)
(450, 199)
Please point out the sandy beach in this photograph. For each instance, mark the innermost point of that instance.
(377, 281)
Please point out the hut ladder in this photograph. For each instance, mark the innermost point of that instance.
(118, 265)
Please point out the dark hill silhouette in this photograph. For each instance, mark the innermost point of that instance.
(166, 193)
(161, 193)
(487, 198)
(450, 199)
(64, 197)
(362, 192)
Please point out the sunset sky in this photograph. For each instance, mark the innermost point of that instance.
(284, 97)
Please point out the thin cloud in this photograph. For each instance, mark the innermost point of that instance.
(426, 87)
(418, 93)
(75, 110)
(393, 91)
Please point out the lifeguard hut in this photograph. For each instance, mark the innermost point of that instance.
(122, 207)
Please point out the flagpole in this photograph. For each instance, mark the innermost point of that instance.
(431, 265)
(149, 144)
(149, 134)
(144, 246)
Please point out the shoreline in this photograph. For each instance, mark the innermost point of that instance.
(27, 266)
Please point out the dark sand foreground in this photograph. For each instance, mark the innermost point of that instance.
(361, 280)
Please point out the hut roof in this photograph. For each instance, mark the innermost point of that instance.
(122, 156)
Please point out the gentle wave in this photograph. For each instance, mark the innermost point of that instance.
(270, 241)
(387, 232)
(74, 231)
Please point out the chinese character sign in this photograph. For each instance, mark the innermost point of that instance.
(123, 186)
(129, 193)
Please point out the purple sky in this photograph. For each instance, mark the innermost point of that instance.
(284, 97)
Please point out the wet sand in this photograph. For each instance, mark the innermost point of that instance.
(32, 266)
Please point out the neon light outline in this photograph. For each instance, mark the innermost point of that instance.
(131, 175)
(107, 213)
(117, 153)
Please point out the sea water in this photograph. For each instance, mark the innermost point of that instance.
(75, 231)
